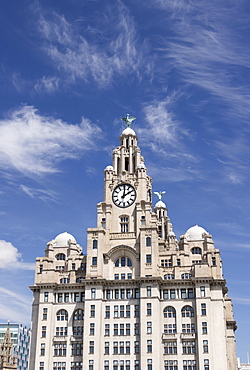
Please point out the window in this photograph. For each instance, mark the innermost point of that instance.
(187, 311)
(42, 349)
(128, 311)
(104, 223)
(107, 312)
(92, 310)
(60, 349)
(170, 365)
(189, 365)
(166, 263)
(127, 329)
(76, 366)
(121, 329)
(45, 313)
(121, 348)
(116, 329)
(83, 266)
(78, 315)
(172, 294)
(143, 220)
(76, 297)
(78, 331)
(123, 276)
(186, 276)
(149, 327)
(178, 262)
(92, 328)
(205, 346)
(60, 257)
(149, 364)
(46, 296)
(115, 347)
(107, 328)
(76, 349)
(196, 250)
(148, 291)
(94, 261)
(165, 294)
(106, 348)
(188, 347)
(204, 328)
(59, 365)
(149, 309)
(137, 365)
(188, 328)
(66, 297)
(59, 297)
(129, 275)
(116, 276)
(190, 293)
(148, 242)
(203, 291)
(137, 293)
(79, 280)
(149, 346)
(91, 347)
(116, 312)
(213, 261)
(122, 311)
(41, 367)
(169, 328)
(62, 315)
(41, 269)
(116, 293)
(168, 277)
(43, 331)
(124, 221)
(61, 331)
(95, 244)
(108, 294)
(170, 348)
(93, 293)
(106, 365)
(64, 281)
(73, 266)
(128, 293)
(136, 347)
(206, 364)
(203, 309)
(183, 293)
(148, 258)
(91, 364)
(137, 329)
(169, 312)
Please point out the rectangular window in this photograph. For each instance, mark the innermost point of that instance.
(127, 351)
(115, 348)
(127, 329)
(213, 261)
(149, 364)
(129, 276)
(137, 311)
(203, 291)
(41, 367)
(128, 311)
(123, 276)
(116, 276)
(203, 309)
(149, 327)
(92, 310)
(66, 297)
(169, 328)
(92, 328)
(116, 329)
(43, 331)
(178, 262)
(45, 313)
(121, 329)
(149, 309)
(82, 296)
(94, 261)
(42, 349)
(91, 364)
(107, 312)
(205, 346)
(128, 293)
(183, 293)
(136, 347)
(206, 364)
(122, 311)
(60, 349)
(165, 294)
(46, 296)
(93, 293)
(107, 330)
(76, 297)
(116, 312)
(108, 294)
(148, 258)
(121, 348)
(149, 346)
(172, 294)
(91, 347)
(137, 293)
(137, 329)
(76, 349)
(77, 331)
(59, 297)
(170, 348)
(204, 328)
(188, 328)
(188, 347)
(122, 293)
(61, 331)
(73, 266)
(106, 348)
(190, 293)
(116, 293)
(148, 291)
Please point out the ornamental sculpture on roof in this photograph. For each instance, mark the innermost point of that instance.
(159, 194)
(128, 119)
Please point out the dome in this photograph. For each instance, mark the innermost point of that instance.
(195, 233)
(171, 233)
(63, 239)
(160, 204)
(128, 131)
(141, 165)
(109, 168)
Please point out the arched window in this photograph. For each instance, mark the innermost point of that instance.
(78, 315)
(64, 281)
(95, 243)
(169, 277)
(60, 256)
(62, 315)
(123, 261)
(169, 311)
(196, 250)
(129, 263)
(148, 241)
(186, 276)
(187, 311)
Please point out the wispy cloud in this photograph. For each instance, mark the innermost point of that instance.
(244, 301)
(94, 53)
(47, 84)
(43, 194)
(13, 306)
(11, 258)
(34, 144)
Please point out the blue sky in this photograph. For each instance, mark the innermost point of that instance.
(70, 69)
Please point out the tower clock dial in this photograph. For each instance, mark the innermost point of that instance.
(124, 195)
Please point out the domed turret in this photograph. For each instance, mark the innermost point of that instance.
(195, 233)
(63, 239)
(160, 204)
(128, 131)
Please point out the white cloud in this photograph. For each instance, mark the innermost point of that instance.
(15, 307)
(47, 84)
(91, 54)
(43, 194)
(11, 258)
(34, 144)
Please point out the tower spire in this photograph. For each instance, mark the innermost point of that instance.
(7, 360)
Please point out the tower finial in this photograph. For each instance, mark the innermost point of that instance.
(128, 119)
(159, 194)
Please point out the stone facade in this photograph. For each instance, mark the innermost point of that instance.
(139, 299)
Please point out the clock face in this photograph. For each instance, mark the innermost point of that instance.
(124, 195)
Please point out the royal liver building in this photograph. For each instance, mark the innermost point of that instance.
(140, 299)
